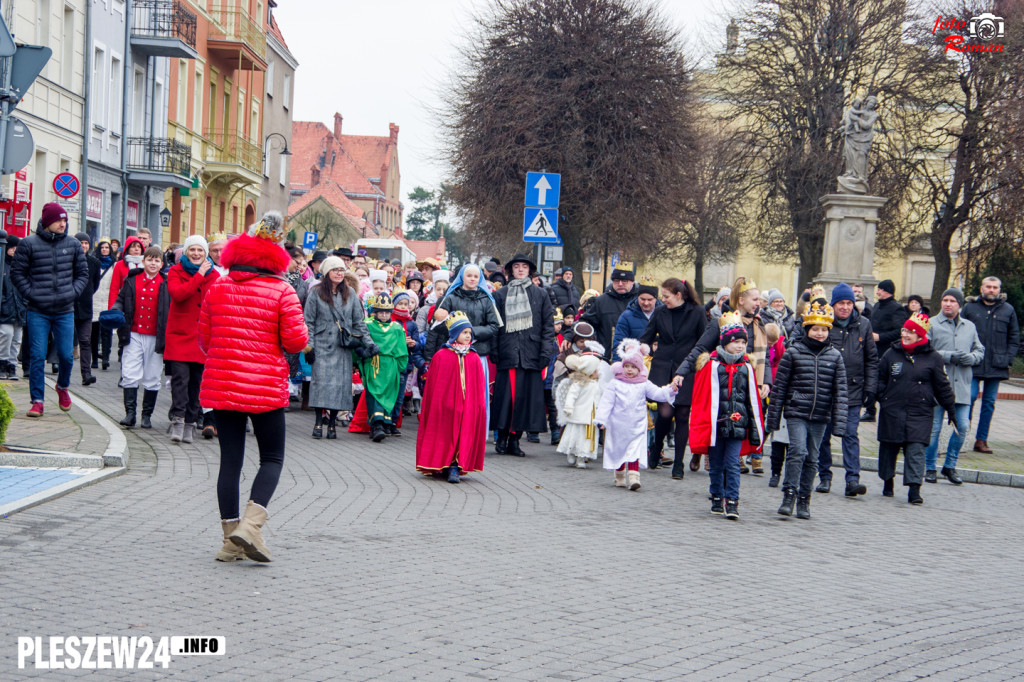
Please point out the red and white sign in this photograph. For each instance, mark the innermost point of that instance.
(94, 204)
(22, 175)
(132, 218)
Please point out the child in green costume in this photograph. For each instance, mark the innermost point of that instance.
(382, 372)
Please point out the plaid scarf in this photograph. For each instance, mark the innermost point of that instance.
(518, 314)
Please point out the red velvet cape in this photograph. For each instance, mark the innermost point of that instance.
(704, 410)
(452, 422)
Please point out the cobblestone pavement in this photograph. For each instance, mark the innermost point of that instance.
(528, 570)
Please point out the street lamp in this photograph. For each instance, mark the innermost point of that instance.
(284, 141)
(165, 217)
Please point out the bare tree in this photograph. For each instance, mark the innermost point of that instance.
(331, 227)
(593, 89)
(804, 60)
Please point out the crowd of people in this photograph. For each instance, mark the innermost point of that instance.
(240, 328)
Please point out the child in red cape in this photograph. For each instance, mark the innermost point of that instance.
(453, 424)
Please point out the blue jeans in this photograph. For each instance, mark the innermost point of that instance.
(724, 460)
(802, 456)
(956, 441)
(851, 449)
(39, 327)
(988, 405)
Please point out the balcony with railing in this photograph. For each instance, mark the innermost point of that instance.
(164, 28)
(237, 37)
(233, 158)
(158, 162)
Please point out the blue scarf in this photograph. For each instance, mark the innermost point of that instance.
(192, 268)
(106, 261)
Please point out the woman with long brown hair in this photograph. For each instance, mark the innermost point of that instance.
(675, 327)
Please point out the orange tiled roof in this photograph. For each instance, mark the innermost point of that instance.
(275, 31)
(332, 194)
(314, 145)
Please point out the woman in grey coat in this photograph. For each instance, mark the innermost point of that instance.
(331, 306)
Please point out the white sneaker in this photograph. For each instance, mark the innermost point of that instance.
(581, 463)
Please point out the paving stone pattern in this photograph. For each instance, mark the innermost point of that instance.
(17, 482)
(528, 570)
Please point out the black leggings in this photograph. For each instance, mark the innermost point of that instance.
(269, 429)
(662, 425)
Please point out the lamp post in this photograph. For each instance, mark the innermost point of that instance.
(284, 142)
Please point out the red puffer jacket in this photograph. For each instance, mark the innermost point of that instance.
(187, 293)
(249, 319)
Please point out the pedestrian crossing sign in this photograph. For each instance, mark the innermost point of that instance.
(540, 225)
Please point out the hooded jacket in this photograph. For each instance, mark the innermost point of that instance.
(632, 324)
(1000, 334)
(249, 320)
(481, 313)
(119, 271)
(50, 271)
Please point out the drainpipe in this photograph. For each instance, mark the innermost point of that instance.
(129, 12)
(86, 119)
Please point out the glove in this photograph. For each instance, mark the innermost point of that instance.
(958, 357)
(951, 420)
(310, 356)
(368, 351)
(869, 399)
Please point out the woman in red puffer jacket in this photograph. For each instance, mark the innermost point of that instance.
(249, 319)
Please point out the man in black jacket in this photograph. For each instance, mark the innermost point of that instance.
(852, 336)
(50, 271)
(887, 318)
(83, 311)
(606, 309)
(999, 332)
(566, 293)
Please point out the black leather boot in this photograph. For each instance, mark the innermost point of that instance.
(501, 445)
(887, 488)
(824, 485)
(453, 473)
(131, 403)
(788, 500)
(803, 508)
(556, 435)
(513, 445)
(951, 475)
(932, 476)
(914, 494)
(148, 405)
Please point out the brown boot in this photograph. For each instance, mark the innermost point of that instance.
(982, 446)
(248, 535)
(229, 551)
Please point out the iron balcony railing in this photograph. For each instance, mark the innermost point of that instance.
(230, 148)
(164, 19)
(235, 25)
(159, 154)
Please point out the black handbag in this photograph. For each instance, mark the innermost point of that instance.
(346, 339)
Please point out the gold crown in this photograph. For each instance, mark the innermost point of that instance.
(380, 302)
(818, 291)
(625, 265)
(648, 281)
(455, 318)
(921, 320)
(216, 237)
(747, 285)
(271, 226)
(558, 315)
(730, 319)
(819, 314)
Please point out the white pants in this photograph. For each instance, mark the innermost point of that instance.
(10, 343)
(141, 363)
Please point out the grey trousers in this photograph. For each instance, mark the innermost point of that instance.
(802, 455)
(10, 343)
(913, 461)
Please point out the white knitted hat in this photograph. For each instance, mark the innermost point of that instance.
(195, 240)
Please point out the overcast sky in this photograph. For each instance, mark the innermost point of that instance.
(381, 61)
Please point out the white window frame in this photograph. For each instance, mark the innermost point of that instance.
(116, 93)
(286, 92)
(283, 173)
(269, 78)
(100, 67)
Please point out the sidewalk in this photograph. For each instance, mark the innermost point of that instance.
(47, 457)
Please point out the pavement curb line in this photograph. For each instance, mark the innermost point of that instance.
(116, 454)
(21, 456)
(969, 475)
(59, 490)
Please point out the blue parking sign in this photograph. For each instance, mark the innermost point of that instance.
(309, 240)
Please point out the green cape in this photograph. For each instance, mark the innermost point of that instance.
(381, 372)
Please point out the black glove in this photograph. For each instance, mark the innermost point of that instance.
(368, 351)
(310, 356)
(869, 399)
(951, 419)
(958, 357)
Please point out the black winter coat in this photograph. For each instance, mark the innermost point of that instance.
(603, 314)
(126, 304)
(565, 294)
(999, 333)
(480, 311)
(736, 402)
(887, 319)
(12, 310)
(910, 384)
(676, 331)
(860, 357)
(83, 304)
(810, 384)
(530, 348)
(709, 342)
(50, 271)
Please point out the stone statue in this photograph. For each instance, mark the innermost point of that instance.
(858, 129)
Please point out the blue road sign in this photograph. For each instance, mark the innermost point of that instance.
(540, 225)
(542, 190)
(309, 240)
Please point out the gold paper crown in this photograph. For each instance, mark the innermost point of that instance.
(819, 314)
(747, 285)
(625, 265)
(817, 291)
(455, 318)
(380, 302)
(647, 281)
(271, 226)
(920, 320)
(216, 237)
(558, 315)
(730, 319)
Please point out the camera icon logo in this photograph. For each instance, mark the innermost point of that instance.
(986, 26)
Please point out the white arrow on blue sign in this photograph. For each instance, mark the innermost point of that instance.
(540, 225)
(542, 190)
(309, 240)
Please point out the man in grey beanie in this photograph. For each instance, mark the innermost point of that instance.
(956, 340)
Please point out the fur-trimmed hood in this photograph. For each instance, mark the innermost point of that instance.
(255, 252)
(972, 299)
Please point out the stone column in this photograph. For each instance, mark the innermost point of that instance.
(849, 251)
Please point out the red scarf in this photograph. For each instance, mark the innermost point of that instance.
(910, 348)
(401, 316)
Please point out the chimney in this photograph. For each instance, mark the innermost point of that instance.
(394, 133)
(314, 177)
(337, 125)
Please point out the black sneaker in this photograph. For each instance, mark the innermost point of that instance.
(773, 482)
(717, 505)
(532, 437)
(824, 486)
(732, 509)
(803, 508)
(887, 488)
(393, 430)
(855, 488)
(932, 476)
(951, 475)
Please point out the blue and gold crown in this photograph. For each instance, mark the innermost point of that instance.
(380, 302)
(455, 318)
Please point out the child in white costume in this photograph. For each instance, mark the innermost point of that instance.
(622, 413)
(577, 399)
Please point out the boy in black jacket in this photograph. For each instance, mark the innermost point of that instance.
(811, 386)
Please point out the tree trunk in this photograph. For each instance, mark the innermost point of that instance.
(572, 252)
(940, 238)
(698, 277)
(809, 248)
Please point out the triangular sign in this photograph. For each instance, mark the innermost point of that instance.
(540, 227)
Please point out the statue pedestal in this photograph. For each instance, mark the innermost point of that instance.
(849, 252)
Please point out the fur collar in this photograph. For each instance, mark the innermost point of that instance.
(255, 252)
